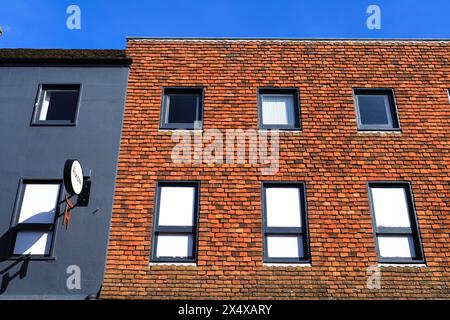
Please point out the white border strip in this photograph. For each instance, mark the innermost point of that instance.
(285, 265)
(421, 265)
(176, 264)
(362, 40)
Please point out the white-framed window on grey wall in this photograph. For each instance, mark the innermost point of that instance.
(182, 108)
(285, 228)
(376, 110)
(395, 223)
(57, 104)
(278, 108)
(35, 214)
(175, 222)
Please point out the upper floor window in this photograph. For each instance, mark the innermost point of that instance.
(56, 105)
(284, 223)
(175, 222)
(376, 109)
(278, 108)
(36, 213)
(395, 225)
(182, 108)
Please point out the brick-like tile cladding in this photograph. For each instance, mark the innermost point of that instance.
(329, 155)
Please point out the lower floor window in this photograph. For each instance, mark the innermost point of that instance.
(284, 223)
(34, 222)
(395, 224)
(175, 222)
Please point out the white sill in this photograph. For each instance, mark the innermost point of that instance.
(176, 130)
(378, 132)
(177, 264)
(285, 265)
(280, 130)
(259, 130)
(403, 265)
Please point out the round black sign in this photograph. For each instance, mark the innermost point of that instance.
(73, 176)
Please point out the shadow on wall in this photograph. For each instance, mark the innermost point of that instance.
(16, 268)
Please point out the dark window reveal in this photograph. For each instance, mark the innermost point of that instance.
(57, 104)
(182, 108)
(376, 109)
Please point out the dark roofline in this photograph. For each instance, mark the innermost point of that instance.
(288, 39)
(64, 57)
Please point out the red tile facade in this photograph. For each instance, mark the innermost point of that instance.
(329, 154)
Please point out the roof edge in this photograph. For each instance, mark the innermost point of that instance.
(65, 62)
(62, 57)
(225, 39)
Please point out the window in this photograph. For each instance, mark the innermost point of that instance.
(56, 105)
(36, 213)
(278, 108)
(395, 225)
(284, 223)
(182, 108)
(175, 222)
(376, 109)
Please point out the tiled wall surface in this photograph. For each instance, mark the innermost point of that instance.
(328, 154)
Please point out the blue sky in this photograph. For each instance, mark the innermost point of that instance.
(106, 23)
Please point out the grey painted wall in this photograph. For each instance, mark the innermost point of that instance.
(40, 152)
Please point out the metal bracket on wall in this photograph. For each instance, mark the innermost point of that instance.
(83, 197)
(67, 212)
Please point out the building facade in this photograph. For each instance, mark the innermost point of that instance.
(57, 105)
(356, 206)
